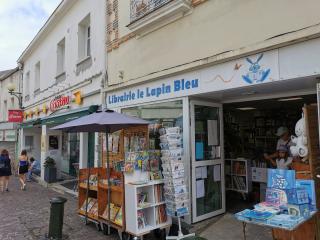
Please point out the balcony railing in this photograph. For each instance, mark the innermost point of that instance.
(140, 8)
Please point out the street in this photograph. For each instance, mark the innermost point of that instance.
(25, 214)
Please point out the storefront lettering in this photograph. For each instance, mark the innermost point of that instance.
(163, 89)
(59, 102)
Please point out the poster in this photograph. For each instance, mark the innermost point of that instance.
(216, 173)
(53, 142)
(10, 135)
(200, 188)
(199, 150)
(198, 172)
(204, 172)
(213, 132)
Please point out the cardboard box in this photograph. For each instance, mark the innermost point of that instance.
(259, 174)
(299, 210)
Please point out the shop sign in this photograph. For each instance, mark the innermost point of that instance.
(10, 135)
(59, 102)
(1, 135)
(252, 70)
(15, 116)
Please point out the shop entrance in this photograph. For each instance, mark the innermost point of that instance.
(208, 198)
(250, 133)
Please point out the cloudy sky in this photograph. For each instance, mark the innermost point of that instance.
(20, 20)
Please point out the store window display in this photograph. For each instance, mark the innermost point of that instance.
(167, 114)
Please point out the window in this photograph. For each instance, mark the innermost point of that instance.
(28, 144)
(166, 114)
(61, 56)
(88, 47)
(149, 15)
(37, 78)
(26, 86)
(5, 110)
(84, 38)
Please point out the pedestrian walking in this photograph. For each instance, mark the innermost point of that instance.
(5, 170)
(23, 168)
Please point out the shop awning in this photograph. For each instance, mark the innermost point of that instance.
(60, 118)
(30, 123)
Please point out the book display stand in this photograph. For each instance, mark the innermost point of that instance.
(175, 189)
(127, 192)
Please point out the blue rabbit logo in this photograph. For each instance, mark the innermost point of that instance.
(256, 74)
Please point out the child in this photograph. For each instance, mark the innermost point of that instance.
(283, 161)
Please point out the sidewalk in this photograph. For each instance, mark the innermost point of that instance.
(227, 228)
(24, 215)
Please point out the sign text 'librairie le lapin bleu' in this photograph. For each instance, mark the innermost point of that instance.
(155, 91)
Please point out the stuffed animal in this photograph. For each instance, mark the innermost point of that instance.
(300, 147)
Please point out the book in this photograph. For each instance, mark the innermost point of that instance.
(141, 220)
(94, 209)
(118, 218)
(142, 199)
(113, 212)
(91, 202)
(161, 215)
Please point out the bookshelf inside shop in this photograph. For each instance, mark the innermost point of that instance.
(238, 175)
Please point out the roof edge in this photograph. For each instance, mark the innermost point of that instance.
(10, 72)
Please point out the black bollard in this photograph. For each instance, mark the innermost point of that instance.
(56, 217)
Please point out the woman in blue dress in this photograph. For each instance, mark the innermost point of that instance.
(5, 170)
(23, 168)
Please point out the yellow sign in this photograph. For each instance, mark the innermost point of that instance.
(77, 97)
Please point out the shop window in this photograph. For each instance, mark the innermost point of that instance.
(168, 114)
(29, 143)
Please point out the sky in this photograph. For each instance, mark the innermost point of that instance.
(20, 20)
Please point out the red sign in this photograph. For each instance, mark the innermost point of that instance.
(59, 102)
(15, 116)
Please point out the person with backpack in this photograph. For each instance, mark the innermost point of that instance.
(5, 170)
(23, 168)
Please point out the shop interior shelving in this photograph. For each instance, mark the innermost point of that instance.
(238, 175)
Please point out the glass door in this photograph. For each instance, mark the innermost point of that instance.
(208, 192)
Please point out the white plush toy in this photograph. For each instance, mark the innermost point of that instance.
(300, 147)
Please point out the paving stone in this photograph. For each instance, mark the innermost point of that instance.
(25, 215)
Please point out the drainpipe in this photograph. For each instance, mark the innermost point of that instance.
(105, 71)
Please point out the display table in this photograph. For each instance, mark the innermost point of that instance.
(295, 232)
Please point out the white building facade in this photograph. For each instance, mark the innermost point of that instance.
(63, 69)
(180, 62)
(8, 130)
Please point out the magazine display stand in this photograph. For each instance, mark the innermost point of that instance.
(88, 194)
(175, 189)
(145, 206)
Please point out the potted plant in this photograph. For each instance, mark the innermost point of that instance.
(50, 170)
